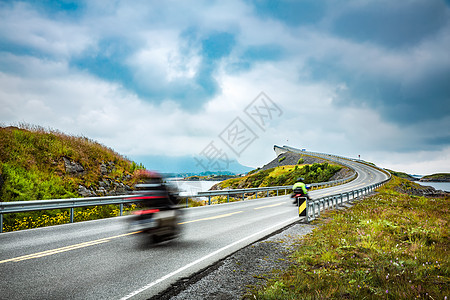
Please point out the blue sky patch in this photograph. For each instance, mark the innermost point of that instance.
(291, 12)
(217, 45)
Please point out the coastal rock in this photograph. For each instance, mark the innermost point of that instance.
(289, 158)
(435, 180)
(103, 169)
(107, 168)
(101, 191)
(73, 168)
(419, 190)
(84, 192)
(342, 174)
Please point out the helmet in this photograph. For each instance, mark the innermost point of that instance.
(300, 179)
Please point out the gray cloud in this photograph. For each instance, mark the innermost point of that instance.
(392, 24)
(366, 77)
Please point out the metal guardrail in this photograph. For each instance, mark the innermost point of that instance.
(314, 207)
(242, 192)
(71, 203)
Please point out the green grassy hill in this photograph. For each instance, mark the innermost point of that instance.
(37, 164)
(283, 175)
(40, 164)
(403, 175)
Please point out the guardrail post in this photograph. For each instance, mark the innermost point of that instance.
(320, 204)
(1, 223)
(121, 209)
(243, 196)
(256, 195)
(209, 200)
(228, 198)
(71, 215)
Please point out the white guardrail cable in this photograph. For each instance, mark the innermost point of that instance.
(313, 207)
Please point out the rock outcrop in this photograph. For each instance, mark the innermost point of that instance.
(104, 187)
(290, 158)
(73, 168)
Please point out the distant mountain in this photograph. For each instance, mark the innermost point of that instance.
(187, 165)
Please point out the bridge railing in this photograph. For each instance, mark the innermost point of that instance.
(339, 159)
(313, 207)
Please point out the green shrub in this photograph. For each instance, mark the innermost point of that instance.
(313, 173)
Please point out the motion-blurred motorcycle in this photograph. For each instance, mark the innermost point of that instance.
(159, 217)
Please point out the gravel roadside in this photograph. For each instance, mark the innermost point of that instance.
(231, 277)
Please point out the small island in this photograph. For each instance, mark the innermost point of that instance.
(440, 177)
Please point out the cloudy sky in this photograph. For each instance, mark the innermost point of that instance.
(162, 82)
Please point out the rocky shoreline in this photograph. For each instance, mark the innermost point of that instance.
(434, 180)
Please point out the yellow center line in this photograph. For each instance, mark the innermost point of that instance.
(212, 218)
(277, 204)
(64, 249)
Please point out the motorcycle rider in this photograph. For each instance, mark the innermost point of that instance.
(300, 189)
(158, 213)
(158, 194)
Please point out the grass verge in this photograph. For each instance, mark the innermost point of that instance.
(388, 246)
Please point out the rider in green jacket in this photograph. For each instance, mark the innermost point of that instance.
(300, 188)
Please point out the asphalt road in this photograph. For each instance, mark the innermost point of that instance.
(104, 260)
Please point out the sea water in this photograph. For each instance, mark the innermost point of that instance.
(191, 188)
(444, 186)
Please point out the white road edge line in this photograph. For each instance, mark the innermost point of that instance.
(202, 259)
